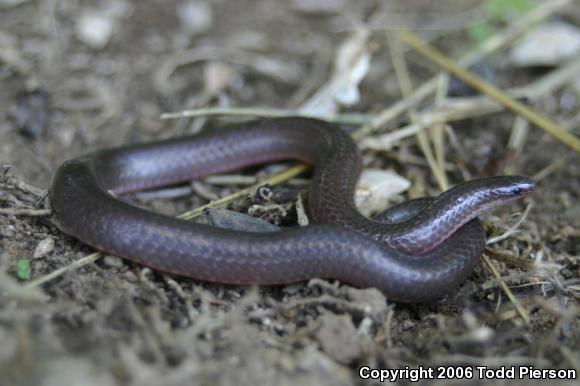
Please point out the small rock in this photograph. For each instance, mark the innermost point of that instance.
(95, 29)
(7, 231)
(113, 262)
(195, 16)
(130, 277)
(407, 325)
(43, 248)
(548, 45)
(377, 188)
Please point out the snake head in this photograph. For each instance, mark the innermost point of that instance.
(509, 188)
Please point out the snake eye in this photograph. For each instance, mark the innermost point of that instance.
(517, 191)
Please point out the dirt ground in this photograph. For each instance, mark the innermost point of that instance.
(115, 323)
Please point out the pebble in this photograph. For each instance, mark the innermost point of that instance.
(43, 248)
(548, 45)
(377, 188)
(195, 16)
(95, 29)
(113, 262)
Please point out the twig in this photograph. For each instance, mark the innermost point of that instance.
(404, 81)
(241, 179)
(230, 179)
(513, 228)
(523, 313)
(39, 192)
(349, 119)
(274, 180)
(25, 212)
(438, 129)
(521, 310)
(61, 271)
(180, 191)
(510, 259)
(476, 82)
(518, 135)
(550, 285)
(388, 140)
(301, 212)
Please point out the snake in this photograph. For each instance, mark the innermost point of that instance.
(419, 251)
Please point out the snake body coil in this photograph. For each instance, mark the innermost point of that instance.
(418, 251)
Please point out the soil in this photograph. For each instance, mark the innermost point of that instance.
(112, 322)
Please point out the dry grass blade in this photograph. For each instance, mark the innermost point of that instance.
(61, 271)
(438, 129)
(513, 228)
(521, 310)
(404, 81)
(274, 180)
(349, 119)
(25, 212)
(491, 45)
(476, 82)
